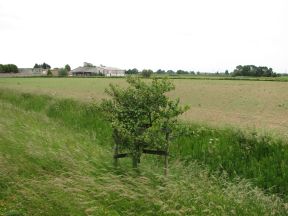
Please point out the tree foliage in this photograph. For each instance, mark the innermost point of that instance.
(49, 73)
(171, 72)
(147, 73)
(43, 66)
(62, 72)
(142, 115)
(67, 67)
(252, 70)
(132, 71)
(160, 71)
(8, 68)
(182, 72)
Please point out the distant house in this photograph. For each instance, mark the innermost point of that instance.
(84, 71)
(97, 70)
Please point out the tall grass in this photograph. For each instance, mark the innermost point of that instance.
(261, 159)
(82, 117)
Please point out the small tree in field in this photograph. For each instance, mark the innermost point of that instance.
(142, 116)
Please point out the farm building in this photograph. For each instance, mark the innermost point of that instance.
(31, 72)
(39, 71)
(96, 70)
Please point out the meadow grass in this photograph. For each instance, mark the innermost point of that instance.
(51, 165)
(255, 104)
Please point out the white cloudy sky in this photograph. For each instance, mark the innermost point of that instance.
(200, 35)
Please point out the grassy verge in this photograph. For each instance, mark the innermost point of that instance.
(55, 159)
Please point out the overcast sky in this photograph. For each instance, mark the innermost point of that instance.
(199, 35)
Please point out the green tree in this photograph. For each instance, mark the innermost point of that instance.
(62, 72)
(147, 73)
(46, 66)
(252, 70)
(67, 67)
(36, 66)
(182, 72)
(8, 68)
(49, 73)
(132, 71)
(43, 66)
(171, 72)
(142, 116)
(160, 71)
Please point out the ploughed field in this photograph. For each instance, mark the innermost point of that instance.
(260, 105)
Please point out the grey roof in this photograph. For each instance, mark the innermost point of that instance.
(110, 68)
(95, 69)
(85, 70)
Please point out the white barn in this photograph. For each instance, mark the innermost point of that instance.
(96, 70)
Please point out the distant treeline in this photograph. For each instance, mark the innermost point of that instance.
(8, 68)
(240, 70)
(252, 70)
(171, 72)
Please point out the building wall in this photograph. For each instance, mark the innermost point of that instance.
(107, 71)
(55, 72)
(114, 72)
(39, 71)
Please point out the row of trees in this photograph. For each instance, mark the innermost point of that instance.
(8, 68)
(252, 70)
(241, 70)
(43, 66)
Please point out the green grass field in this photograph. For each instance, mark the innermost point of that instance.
(260, 105)
(56, 159)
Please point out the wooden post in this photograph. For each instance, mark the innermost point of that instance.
(166, 164)
(116, 151)
(166, 150)
(134, 161)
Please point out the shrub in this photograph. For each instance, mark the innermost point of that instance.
(142, 116)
